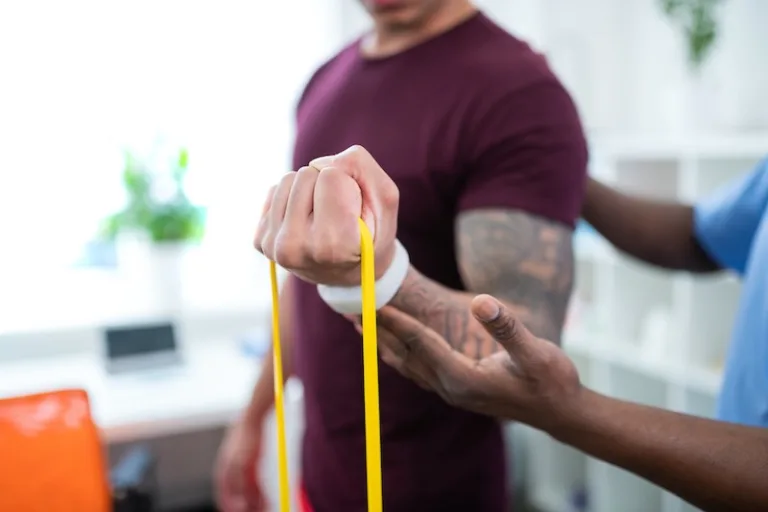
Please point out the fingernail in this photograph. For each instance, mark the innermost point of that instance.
(488, 310)
(322, 162)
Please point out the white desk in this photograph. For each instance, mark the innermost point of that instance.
(208, 390)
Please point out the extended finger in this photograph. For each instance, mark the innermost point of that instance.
(392, 350)
(504, 327)
(395, 354)
(422, 343)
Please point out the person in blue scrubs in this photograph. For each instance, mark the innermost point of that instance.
(727, 230)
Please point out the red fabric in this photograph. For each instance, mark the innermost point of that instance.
(304, 505)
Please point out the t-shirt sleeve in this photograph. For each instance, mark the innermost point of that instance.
(527, 152)
(725, 222)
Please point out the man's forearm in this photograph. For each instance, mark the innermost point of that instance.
(263, 396)
(656, 232)
(523, 260)
(714, 465)
(447, 312)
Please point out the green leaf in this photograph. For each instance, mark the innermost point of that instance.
(183, 159)
(176, 220)
(698, 21)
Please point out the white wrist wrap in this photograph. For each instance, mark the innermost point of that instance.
(347, 300)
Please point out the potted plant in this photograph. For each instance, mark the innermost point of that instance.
(157, 225)
(698, 22)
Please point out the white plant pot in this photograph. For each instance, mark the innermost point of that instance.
(701, 103)
(166, 276)
(153, 272)
(132, 252)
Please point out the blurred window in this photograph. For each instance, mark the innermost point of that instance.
(83, 80)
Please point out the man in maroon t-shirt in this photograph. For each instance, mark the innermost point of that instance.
(487, 151)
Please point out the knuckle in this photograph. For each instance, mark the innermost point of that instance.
(287, 179)
(288, 251)
(390, 196)
(354, 155)
(268, 200)
(459, 391)
(268, 245)
(331, 174)
(307, 173)
(546, 359)
(324, 253)
(357, 151)
(257, 244)
(258, 240)
(390, 358)
(331, 248)
(413, 340)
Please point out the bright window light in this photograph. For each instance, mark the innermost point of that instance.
(82, 80)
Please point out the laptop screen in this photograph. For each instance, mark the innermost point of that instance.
(140, 340)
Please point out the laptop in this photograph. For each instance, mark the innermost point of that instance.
(136, 348)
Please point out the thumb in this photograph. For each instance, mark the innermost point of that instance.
(366, 213)
(507, 330)
(322, 162)
(381, 197)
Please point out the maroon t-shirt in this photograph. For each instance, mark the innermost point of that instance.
(470, 119)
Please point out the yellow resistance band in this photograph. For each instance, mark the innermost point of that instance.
(370, 380)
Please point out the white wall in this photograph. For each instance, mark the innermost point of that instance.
(624, 62)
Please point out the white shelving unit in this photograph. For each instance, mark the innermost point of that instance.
(641, 334)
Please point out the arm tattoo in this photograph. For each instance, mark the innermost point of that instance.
(445, 311)
(523, 260)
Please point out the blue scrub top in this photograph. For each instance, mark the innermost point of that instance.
(732, 226)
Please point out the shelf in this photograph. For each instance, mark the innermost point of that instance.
(707, 176)
(641, 295)
(657, 178)
(638, 147)
(700, 404)
(629, 357)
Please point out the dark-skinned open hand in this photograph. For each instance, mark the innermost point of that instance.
(531, 381)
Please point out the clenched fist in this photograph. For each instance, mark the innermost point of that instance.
(310, 224)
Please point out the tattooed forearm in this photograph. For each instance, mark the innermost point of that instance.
(524, 261)
(447, 312)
